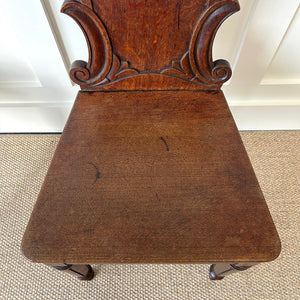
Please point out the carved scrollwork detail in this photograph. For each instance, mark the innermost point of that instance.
(120, 69)
(200, 52)
(197, 65)
(88, 3)
(99, 46)
(221, 70)
(180, 68)
(103, 66)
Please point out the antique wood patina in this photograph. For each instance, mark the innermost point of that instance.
(150, 167)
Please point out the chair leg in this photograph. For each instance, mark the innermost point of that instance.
(84, 272)
(220, 270)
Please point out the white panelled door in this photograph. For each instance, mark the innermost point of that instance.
(264, 92)
(39, 43)
(36, 93)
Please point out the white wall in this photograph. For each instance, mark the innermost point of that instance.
(38, 44)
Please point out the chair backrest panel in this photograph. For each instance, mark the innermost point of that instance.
(143, 30)
(150, 44)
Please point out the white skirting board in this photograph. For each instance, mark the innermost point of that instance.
(51, 117)
(277, 117)
(34, 118)
(35, 110)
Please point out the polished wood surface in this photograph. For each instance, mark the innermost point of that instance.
(150, 167)
(150, 177)
(150, 45)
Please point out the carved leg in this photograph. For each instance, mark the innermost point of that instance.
(84, 272)
(219, 271)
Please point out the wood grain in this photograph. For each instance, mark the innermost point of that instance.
(150, 45)
(150, 177)
(150, 167)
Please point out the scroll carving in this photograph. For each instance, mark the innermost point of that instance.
(200, 52)
(120, 69)
(197, 65)
(195, 69)
(100, 51)
(180, 68)
(103, 66)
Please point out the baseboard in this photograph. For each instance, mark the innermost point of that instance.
(30, 110)
(52, 116)
(266, 117)
(34, 118)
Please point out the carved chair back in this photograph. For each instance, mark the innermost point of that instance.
(150, 44)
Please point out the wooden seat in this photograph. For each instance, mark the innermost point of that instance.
(150, 167)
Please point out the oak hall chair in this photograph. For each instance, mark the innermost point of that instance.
(150, 167)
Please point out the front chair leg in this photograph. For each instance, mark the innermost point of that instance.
(84, 272)
(219, 271)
